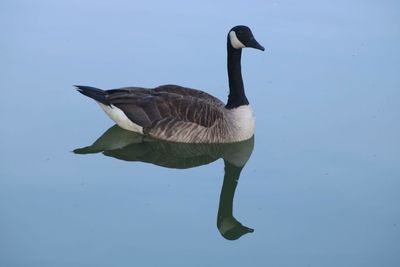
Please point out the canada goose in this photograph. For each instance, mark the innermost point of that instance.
(179, 114)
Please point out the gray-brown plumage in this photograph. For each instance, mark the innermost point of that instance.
(168, 112)
(180, 114)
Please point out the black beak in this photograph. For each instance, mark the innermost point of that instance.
(254, 44)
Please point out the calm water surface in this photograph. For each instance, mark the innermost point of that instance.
(319, 185)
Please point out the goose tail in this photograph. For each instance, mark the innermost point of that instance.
(94, 93)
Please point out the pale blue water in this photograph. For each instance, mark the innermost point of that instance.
(321, 187)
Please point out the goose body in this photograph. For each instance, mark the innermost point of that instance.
(180, 114)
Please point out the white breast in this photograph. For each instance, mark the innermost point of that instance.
(120, 118)
(242, 122)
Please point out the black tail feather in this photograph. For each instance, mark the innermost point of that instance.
(94, 93)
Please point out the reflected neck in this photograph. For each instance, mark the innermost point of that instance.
(231, 178)
(236, 96)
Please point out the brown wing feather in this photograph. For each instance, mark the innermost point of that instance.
(169, 88)
(151, 108)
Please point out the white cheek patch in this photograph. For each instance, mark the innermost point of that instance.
(235, 41)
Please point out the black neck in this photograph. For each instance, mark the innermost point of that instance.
(236, 96)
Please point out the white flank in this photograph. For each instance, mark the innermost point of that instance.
(120, 118)
(242, 122)
(235, 41)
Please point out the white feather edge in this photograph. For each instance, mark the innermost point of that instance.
(120, 118)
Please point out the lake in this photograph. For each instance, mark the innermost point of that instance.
(318, 185)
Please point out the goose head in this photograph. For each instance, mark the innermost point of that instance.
(241, 36)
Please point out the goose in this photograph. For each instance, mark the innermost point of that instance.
(179, 114)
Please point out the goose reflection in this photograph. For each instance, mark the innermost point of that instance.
(125, 145)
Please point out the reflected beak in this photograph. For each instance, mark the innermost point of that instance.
(254, 44)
